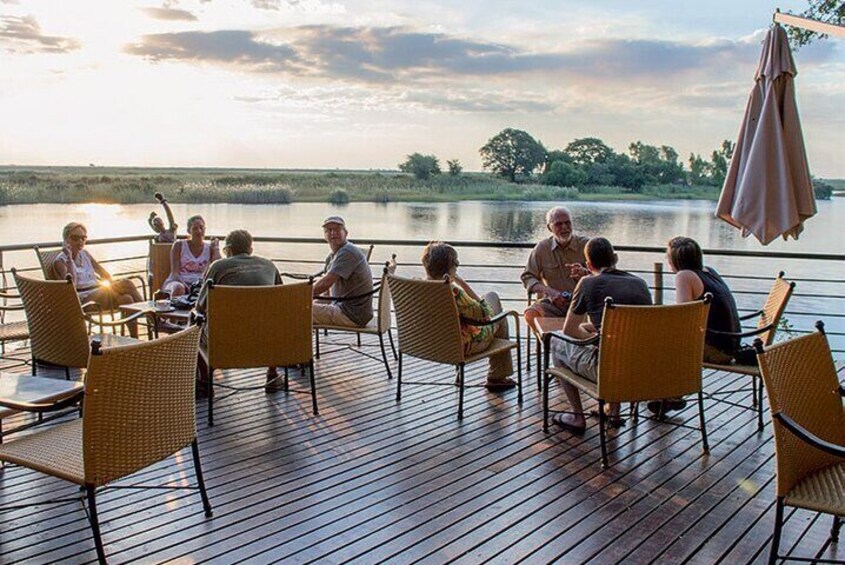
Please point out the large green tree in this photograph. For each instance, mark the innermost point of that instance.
(512, 152)
(589, 151)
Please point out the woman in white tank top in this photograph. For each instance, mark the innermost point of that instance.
(88, 275)
(190, 258)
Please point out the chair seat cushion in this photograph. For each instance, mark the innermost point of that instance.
(14, 331)
(498, 345)
(56, 451)
(823, 491)
(579, 382)
(734, 368)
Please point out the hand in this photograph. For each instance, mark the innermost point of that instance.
(215, 244)
(159, 196)
(576, 270)
(68, 253)
(562, 300)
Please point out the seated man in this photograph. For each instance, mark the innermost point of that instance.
(347, 274)
(583, 321)
(554, 267)
(239, 267)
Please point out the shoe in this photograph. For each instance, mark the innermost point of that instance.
(502, 384)
(273, 382)
(613, 422)
(558, 420)
(669, 405)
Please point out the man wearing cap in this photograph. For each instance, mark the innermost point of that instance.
(239, 267)
(347, 274)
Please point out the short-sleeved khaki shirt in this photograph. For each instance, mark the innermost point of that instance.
(546, 263)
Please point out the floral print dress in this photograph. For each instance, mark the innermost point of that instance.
(475, 338)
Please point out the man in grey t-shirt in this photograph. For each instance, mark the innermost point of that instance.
(347, 274)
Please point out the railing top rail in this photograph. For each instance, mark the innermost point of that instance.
(456, 243)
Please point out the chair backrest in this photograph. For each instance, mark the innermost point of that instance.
(158, 265)
(801, 383)
(383, 321)
(57, 329)
(427, 319)
(46, 259)
(259, 326)
(139, 405)
(651, 352)
(773, 308)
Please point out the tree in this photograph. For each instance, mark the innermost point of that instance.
(829, 11)
(697, 170)
(421, 166)
(657, 165)
(556, 155)
(512, 152)
(719, 160)
(455, 167)
(564, 173)
(589, 151)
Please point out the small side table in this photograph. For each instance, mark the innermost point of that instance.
(38, 395)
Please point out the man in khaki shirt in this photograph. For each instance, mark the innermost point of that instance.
(554, 267)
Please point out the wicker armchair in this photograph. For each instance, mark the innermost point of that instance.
(646, 353)
(139, 410)
(379, 325)
(768, 319)
(429, 328)
(58, 326)
(258, 326)
(158, 265)
(11, 330)
(805, 398)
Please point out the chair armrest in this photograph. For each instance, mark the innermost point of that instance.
(14, 308)
(39, 407)
(806, 436)
(9, 296)
(116, 323)
(376, 288)
(303, 276)
(751, 315)
(749, 333)
(547, 339)
(143, 284)
(496, 319)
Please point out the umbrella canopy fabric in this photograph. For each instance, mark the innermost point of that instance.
(768, 191)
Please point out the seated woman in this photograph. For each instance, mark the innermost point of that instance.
(92, 282)
(190, 258)
(441, 259)
(692, 281)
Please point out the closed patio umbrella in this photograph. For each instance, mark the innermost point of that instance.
(768, 191)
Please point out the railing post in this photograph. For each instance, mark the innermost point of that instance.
(658, 282)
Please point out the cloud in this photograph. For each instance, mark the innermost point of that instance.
(23, 35)
(169, 14)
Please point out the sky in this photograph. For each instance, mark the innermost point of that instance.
(354, 84)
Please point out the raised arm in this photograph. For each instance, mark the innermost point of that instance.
(170, 220)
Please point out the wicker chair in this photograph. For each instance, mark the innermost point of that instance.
(47, 259)
(379, 325)
(429, 328)
(11, 330)
(158, 265)
(58, 326)
(646, 353)
(258, 326)
(768, 319)
(139, 410)
(808, 418)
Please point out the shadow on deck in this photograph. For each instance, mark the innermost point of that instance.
(370, 480)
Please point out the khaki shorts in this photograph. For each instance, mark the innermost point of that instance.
(330, 314)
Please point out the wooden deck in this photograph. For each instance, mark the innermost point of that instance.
(373, 481)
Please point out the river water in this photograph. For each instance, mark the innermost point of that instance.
(624, 223)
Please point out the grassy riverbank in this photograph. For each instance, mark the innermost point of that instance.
(27, 185)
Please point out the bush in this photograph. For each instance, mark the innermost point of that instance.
(822, 190)
(339, 196)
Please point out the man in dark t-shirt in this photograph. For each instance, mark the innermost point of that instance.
(583, 320)
(347, 275)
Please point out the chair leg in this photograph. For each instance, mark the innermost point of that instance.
(357, 335)
(67, 373)
(518, 372)
(399, 378)
(95, 524)
(528, 354)
(704, 445)
(461, 391)
(754, 391)
(317, 344)
(287, 381)
(602, 434)
(384, 355)
(539, 346)
(392, 347)
(195, 450)
(834, 530)
(760, 406)
(208, 389)
(33, 366)
(773, 554)
(313, 388)
(546, 403)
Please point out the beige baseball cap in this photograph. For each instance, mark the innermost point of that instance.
(334, 220)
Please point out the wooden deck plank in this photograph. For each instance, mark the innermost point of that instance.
(370, 480)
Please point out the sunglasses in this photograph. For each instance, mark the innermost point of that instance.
(75, 237)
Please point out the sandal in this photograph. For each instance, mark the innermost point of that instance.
(613, 422)
(558, 420)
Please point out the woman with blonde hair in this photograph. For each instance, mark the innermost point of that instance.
(93, 283)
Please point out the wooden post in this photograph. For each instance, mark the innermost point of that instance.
(658, 282)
